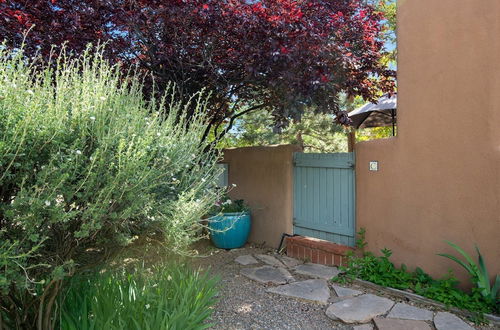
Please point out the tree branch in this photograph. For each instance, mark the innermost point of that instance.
(233, 118)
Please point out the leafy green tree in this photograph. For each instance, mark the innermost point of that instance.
(374, 133)
(388, 9)
(315, 133)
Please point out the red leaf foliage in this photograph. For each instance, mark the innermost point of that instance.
(280, 54)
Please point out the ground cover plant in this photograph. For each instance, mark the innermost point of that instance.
(380, 270)
(160, 297)
(88, 165)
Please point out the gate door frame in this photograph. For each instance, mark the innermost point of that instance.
(324, 196)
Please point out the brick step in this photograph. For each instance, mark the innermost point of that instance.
(317, 251)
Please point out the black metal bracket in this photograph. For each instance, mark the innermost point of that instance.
(282, 238)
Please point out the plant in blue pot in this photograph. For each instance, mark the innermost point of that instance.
(230, 223)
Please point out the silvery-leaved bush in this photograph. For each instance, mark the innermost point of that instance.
(87, 165)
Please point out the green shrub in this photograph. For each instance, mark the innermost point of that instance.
(160, 298)
(380, 270)
(87, 166)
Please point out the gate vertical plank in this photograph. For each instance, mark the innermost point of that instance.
(338, 195)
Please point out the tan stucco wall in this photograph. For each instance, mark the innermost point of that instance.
(263, 178)
(439, 179)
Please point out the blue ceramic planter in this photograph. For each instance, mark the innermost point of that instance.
(229, 230)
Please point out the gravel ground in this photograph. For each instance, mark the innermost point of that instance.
(244, 304)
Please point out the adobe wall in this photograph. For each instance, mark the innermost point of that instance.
(263, 178)
(439, 179)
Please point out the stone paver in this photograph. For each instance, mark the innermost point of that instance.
(367, 326)
(311, 290)
(290, 262)
(409, 312)
(359, 309)
(346, 292)
(270, 260)
(448, 321)
(317, 271)
(268, 274)
(397, 324)
(246, 260)
(495, 319)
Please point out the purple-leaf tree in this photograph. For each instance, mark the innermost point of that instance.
(277, 55)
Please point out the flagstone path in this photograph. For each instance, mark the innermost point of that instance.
(351, 306)
(303, 284)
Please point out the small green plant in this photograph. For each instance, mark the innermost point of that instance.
(479, 273)
(228, 205)
(361, 240)
(163, 297)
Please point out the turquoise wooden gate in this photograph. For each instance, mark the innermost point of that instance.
(324, 196)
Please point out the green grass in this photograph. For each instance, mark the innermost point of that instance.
(162, 297)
